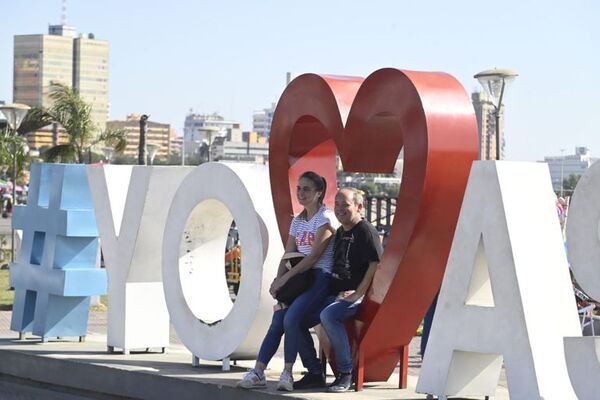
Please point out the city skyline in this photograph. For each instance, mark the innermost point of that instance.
(232, 57)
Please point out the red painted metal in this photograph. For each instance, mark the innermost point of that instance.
(369, 121)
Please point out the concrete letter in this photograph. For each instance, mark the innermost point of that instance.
(208, 200)
(583, 238)
(506, 295)
(131, 206)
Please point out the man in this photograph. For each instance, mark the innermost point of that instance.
(357, 252)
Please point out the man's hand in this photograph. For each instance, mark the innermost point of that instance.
(345, 295)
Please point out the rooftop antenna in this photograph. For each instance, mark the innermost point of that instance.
(63, 17)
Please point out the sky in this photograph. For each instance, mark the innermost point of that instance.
(231, 57)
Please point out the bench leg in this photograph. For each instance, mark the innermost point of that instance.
(360, 371)
(403, 378)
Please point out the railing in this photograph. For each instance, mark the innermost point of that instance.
(380, 210)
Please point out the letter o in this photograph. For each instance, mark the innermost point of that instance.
(583, 235)
(211, 196)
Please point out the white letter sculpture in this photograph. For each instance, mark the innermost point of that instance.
(583, 238)
(206, 203)
(506, 294)
(131, 204)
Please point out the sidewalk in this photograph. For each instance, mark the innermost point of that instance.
(87, 366)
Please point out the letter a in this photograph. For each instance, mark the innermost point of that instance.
(506, 295)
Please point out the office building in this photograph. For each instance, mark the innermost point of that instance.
(486, 126)
(62, 57)
(204, 128)
(156, 133)
(563, 166)
(262, 120)
(90, 75)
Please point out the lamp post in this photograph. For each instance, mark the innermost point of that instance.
(14, 114)
(494, 82)
(108, 153)
(562, 165)
(152, 150)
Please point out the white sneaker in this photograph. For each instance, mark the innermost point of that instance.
(254, 378)
(286, 382)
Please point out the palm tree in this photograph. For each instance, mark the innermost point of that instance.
(75, 116)
(15, 145)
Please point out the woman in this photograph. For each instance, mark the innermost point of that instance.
(310, 234)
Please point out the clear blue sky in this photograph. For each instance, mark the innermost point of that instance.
(231, 56)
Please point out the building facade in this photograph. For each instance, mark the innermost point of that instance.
(90, 75)
(60, 57)
(485, 112)
(262, 120)
(156, 133)
(563, 166)
(204, 128)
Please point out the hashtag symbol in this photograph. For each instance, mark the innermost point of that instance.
(56, 271)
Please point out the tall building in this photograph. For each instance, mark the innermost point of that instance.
(61, 57)
(563, 166)
(486, 126)
(156, 133)
(199, 128)
(90, 75)
(262, 120)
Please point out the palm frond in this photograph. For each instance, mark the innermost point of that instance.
(35, 119)
(115, 138)
(62, 152)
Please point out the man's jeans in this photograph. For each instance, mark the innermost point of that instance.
(290, 321)
(332, 320)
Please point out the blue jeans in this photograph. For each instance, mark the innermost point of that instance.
(332, 320)
(427, 322)
(292, 322)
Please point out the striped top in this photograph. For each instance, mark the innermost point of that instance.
(305, 231)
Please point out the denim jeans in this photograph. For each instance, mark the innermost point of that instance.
(332, 320)
(427, 322)
(291, 321)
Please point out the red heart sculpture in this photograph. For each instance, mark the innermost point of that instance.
(369, 121)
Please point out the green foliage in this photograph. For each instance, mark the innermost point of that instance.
(75, 116)
(6, 296)
(570, 183)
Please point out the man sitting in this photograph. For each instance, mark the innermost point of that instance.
(357, 252)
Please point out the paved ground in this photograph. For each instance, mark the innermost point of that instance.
(176, 365)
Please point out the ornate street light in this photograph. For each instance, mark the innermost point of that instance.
(152, 149)
(495, 82)
(14, 114)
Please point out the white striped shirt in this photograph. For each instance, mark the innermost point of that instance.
(305, 231)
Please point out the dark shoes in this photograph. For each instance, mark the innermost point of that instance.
(341, 384)
(310, 381)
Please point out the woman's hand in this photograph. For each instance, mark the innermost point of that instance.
(277, 284)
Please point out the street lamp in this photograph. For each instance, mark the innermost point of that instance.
(152, 150)
(14, 114)
(562, 169)
(494, 82)
(108, 153)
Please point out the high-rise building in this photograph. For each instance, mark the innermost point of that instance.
(156, 133)
(90, 75)
(60, 57)
(262, 120)
(563, 166)
(486, 126)
(203, 128)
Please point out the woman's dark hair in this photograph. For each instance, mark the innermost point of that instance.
(319, 182)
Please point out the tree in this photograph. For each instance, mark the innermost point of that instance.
(570, 183)
(75, 116)
(16, 145)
